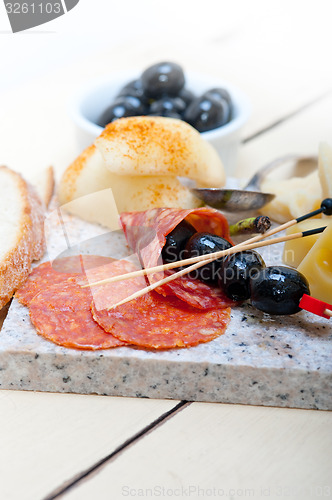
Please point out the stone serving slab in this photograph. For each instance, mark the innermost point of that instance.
(260, 360)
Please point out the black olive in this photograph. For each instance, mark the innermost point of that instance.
(225, 102)
(202, 244)
(176, 242)
(122, 107)
(187, 96)
(206, 113)
(236, 270)
(131, 88)
(133, 101)
(220, 93)
(167, 114)
(168, 105)
(134, 89)
(164, 78)
(278, 290)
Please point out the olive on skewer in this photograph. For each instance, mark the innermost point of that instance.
(176, 241)
(203, 244)
(278, 290)
(236, 271)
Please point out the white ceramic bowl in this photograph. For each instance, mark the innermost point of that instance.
(89, 103)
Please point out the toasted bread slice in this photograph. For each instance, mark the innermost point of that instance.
(44, 183)
(22, 237)
(88, 174)
(154, 145)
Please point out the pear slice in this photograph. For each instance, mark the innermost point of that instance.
(154, 145)
(88, 174)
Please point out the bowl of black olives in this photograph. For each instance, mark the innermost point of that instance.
(215, 108)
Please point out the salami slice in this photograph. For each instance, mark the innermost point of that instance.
(104, 296)
(146, 231)
(61, 313)
(47, 274)
(146, 234)
(155, 322)
(195, 293)
(152, 321)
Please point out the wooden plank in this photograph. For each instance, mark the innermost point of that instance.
(301, 134)
(47, 439)
(235, 451)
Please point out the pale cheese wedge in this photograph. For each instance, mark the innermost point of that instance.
(294, 197)
(325, 169)
(317, 267)
(44, 184)
(158, 146)
(296, 250)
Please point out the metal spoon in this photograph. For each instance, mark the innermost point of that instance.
(250, 197)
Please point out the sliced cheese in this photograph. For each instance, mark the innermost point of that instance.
(317, 267)
(325, 169)
(294, 197)
(296, 250)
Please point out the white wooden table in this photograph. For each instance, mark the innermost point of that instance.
(93, 447)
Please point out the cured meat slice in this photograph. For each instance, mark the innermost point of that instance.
(155, 322)
(146, 234)
(47, 274)
(146, 231)
(104, 296)
(152, 321)
(41, 277)
(195, 293)
(61, 313)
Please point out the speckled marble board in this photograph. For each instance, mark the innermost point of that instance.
(260, 360)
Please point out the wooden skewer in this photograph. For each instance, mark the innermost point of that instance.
(165, 267)
(211, 258)
(328, 312)
(235, 248)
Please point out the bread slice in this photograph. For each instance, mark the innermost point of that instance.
(22, 237)
(44, 184)
(155, 145)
